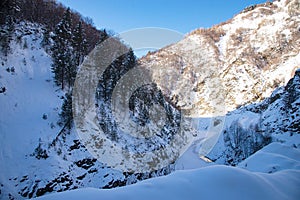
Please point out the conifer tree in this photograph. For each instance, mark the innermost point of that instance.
(8, 8)
(46, 39)
(6, 35)
(66, 114)
(79, 44)
(63, 65)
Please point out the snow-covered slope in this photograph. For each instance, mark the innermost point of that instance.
(249, 128)
(257, 51)
(38, 156)
(272, 158)
(29, 106)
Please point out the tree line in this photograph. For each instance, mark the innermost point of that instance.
(48, 13)
(68, 35)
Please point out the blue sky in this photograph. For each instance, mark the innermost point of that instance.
(183, 16)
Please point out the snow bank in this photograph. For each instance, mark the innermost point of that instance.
(215, 182)
(272, 158)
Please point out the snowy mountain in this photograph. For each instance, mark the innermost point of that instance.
(39, 155)
(256, 50)
(244, 70)
(45, 156)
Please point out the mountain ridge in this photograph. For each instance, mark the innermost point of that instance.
(258, 53)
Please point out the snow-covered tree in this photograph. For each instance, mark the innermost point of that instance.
(79, 44)
(66, 114)
(46, 39)
(6, 35)
(63, 66)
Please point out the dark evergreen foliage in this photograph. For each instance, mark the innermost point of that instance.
(79, 43)
(63, 66)
(49, 13)
(66, 114)
(6, 35)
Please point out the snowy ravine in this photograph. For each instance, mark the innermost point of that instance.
(37, 155)
(261, 140)
(271, 173)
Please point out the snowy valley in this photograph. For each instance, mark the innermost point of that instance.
(255, 59)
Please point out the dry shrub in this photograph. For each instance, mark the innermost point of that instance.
(294, 8)
(266, 22)
(266, 11)
(240, 36)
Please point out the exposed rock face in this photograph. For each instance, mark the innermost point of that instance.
(240, 61)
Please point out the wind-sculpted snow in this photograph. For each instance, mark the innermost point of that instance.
(215, 183)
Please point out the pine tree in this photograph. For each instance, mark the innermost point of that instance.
(66, 114)
(63, 62)
(6, 35)
(79, 44)
(46, 39)
(131, 58)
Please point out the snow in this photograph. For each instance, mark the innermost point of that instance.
(24, 107)
(222, 46)
(216, 182)
(272, 158)
(191, 160)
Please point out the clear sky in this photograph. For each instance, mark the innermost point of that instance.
(183, 16)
